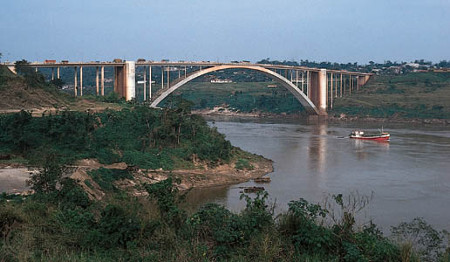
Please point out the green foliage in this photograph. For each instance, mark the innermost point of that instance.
(57, 82)
(242, 97)
(32, 78)
(126, 229)
(427, 242)
(242, 163)
(71, 195)
(215, 223)
(117, 228)
(48, 177)
(112, 97)
(301, 226)
(105, 178)
(413, 95)
(166, 195)
(139, 136)
(256, 215)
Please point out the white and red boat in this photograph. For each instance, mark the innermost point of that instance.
(382, 136)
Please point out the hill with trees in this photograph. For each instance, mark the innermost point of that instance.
(423, 95)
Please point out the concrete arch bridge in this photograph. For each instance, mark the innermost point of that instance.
(314, 88)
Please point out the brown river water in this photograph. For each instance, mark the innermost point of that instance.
(406, 178)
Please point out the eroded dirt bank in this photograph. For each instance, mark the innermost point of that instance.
(13, 179)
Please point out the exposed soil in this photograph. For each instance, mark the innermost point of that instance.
(16, 95)
(202, 177)
(13, 179)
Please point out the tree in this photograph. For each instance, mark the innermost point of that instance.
(58, 82)
(32, 78)
(49, 176)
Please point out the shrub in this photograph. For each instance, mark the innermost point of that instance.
(105, 178)
(242, 163)
(215, 223)
(117, 228)
(426, 242)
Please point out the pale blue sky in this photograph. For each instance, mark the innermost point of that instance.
(223, 30)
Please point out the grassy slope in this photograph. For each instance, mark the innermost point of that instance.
(17, 95)
(414, 95)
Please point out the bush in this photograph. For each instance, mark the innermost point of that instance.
(117, 228)
(242, 164)
(215, 223)
(105, 178)
(426, 242)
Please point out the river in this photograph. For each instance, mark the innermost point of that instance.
(406, 178)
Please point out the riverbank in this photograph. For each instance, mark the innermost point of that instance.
(13, 178)
(220, 113)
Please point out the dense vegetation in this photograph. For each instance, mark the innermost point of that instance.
(243, 97)
(139, 136)
(60, 223)
(413, 95)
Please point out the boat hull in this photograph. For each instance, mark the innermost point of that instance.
(374, 138)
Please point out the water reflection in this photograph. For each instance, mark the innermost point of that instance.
(365, 148)
(318, 147)
(200, 196)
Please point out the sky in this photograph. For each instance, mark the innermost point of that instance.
(224, 30)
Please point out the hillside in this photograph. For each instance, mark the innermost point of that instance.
(412, 95)
(17, 94)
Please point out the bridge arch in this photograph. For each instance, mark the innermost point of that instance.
(298, 94)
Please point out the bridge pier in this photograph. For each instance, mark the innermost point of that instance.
(102, 79)
(81, 81)
(96, 81)
(75, 81)
(318, 90)
(145, 83)
(150, 83)
(124, 80)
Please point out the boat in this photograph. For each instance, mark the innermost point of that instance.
(253, 189)
(262, 179)
(381, 136)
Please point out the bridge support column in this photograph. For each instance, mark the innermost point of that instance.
(145, 83)
(96, 80)
(318, 90)
(57, 73)
(102, 79)
(53, 73)
(124, 80)
(150, 82)
(331, 94)
(81, 81)
(75, 81)
(162, 77)
(168, 77)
